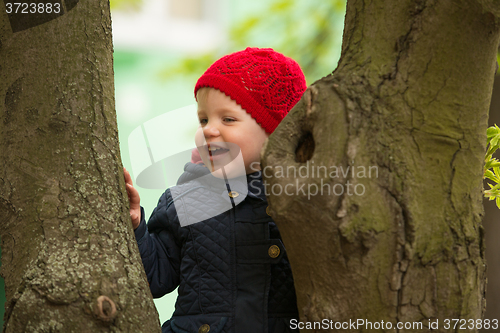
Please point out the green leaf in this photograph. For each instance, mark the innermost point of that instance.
(491, 132)
(496, 189)
(490, 175)
(494, 141)
(494, 163)
(487, 165)
(496, 171)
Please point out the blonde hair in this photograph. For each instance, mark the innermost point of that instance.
(202, 94)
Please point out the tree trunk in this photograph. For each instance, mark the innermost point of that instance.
(69, 255)
(400, 126)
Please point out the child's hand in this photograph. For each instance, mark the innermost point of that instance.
(133, 199)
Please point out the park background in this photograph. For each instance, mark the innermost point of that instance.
(161, 47)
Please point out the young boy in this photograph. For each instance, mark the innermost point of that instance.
(231, 267)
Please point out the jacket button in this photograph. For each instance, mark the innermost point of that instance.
(274, 251)
(233, 194)
(204, 328)
(268, 211)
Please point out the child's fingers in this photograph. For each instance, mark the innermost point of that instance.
(133, 198)
(133, 195)
(128, 188)
(128, 178)
(131, 191)
(134, 216)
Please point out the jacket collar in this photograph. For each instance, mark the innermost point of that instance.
(192, 171)
(255, 186)
(254, 180)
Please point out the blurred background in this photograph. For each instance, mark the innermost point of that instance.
(161, 47)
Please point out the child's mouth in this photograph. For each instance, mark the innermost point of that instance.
(214, 151)
(219, 153)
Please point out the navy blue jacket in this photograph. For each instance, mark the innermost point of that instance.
(232, 270)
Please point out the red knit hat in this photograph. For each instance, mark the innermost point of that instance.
(264, 82)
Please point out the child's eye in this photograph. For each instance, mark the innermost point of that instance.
(203, 121)
(229, 119)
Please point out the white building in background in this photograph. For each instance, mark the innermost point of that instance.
(186, 26)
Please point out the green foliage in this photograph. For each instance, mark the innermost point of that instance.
(492, 165)
(498, 62)
(307, 31)
(190, 66)
(130, 5)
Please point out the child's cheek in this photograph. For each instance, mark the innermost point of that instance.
(199, 140)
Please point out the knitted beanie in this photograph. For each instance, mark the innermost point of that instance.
(264, 82)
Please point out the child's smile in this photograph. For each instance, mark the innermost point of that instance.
(225, 130)
(216, 150)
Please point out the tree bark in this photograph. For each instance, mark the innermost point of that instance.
(409, 99)
(69, 255)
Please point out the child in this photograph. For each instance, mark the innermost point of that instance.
(231, 267)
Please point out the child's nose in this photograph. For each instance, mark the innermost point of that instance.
(210, 130)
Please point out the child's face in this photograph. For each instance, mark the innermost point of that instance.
(224, 123)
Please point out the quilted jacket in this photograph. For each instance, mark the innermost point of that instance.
(231, 268)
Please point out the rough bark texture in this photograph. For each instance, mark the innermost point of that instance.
(69, 255)
(410, 97)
